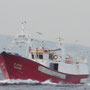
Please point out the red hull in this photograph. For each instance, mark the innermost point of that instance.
(16, 67)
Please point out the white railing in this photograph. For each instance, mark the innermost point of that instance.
(76, 61)
(83, 60)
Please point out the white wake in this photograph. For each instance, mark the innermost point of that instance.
(28, 81)
(33, 82)
(18, 81)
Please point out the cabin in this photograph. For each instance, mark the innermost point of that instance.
(45, 57)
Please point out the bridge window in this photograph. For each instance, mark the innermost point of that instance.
(51, 56)
(32, 55)
(39, 55)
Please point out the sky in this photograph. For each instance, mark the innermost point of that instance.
(68, 19)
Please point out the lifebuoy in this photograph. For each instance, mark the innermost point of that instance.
(55, 57)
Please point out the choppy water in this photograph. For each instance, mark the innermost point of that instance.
(35, 85)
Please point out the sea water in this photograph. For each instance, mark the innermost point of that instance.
(35, 85)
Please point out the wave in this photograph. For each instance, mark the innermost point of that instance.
(88, 84)
(34, 82)
(18, 82)
(24, 82)
(48, 82)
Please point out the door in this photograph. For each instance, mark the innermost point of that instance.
(54, 66)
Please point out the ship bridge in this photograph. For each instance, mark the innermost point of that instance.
(42, 54)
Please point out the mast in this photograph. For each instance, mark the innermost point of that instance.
(21, 38)
(42, 41)
(61, 47)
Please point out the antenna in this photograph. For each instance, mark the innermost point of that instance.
(60, 40)
(61, 47)
(39, 33)
(23, 28)
(42, 41)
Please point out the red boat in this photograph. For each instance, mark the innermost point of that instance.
(42, 64)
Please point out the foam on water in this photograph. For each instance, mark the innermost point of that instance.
(88, 84)
(33, 82)
(18, 81)
(28, 81)
(48, 82)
